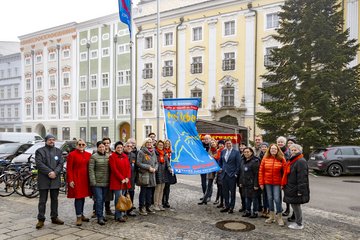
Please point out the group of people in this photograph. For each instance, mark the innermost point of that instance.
(261, 173)
(106, 175)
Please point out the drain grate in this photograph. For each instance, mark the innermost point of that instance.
(235, 226)
(351, 181)
(357, 209)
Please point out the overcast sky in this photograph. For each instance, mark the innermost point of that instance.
(20, 17)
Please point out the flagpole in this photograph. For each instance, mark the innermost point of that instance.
(158, 69)
(132, 87)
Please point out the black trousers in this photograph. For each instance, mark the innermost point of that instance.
(203, 182)
(229, 191)
(166, 195)
(54, 193)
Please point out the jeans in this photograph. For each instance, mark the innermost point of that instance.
(229, 191)
(274, 195)
(100, 195)
(298, 213)
(79, 206)
(145, 196)
(118, 193)
(159, 191)
(203, 182)
(209, 190)
(265, 199)
(54, 193)
(254, 200)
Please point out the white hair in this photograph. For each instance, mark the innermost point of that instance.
(297, 146)
(281, 138)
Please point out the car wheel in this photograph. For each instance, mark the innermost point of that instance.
(334, 170)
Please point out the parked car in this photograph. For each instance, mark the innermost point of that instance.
(10, 150)
(21, 137)
(335, 160)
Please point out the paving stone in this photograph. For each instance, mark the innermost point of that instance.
(68, 237)
(42, 232)
(21, 232)
(4, 230)
(67, 231)
(84, 233)
(48, 237)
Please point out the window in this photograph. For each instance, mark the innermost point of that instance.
(16, 92)
(39, 109)
(66, 53)
(105, 52)
(121, 78)
(105, 80)
(105, 108)
(9, 72)
(167, 94)
(2, 93)
(66, 79)
(272, 20)
(2, 112)
(197, 34)
(197, 93)
(127, 77)
(52, 108)
(229, 28)
(127, 106)
(94, 54)
(228, 96)
(147, 71)
(266, 97)
(124, 77)
(52, 56)
(66, 134)
(16, 70)
(2, 74)
(105, 132)
(38, 82)
(147, 102)
(82, 109)
(168, 68)
(83, 56)
(344, 151)
(38, 58)
(124, 48)
(9, 92)
(196, 66)
(168, 39)
(9, 112)
(148, 42)
(28, 84)
(52, 80)
(27, 61)
(148, 130)
(93, 108)
(83, 82)
(267, 57)
(66, 107)
(93, 81)
(229, 61)
(121, 107)
(28, 110)
(16, 112)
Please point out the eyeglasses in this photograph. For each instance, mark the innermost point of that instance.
(81, 144)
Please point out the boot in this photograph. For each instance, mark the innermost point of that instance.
(142, 211)
(78, 221)
(271, 218)
(57, 221)
(84, 219)
(279, 219)
(40, 224)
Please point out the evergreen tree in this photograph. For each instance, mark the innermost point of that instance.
(316, 95)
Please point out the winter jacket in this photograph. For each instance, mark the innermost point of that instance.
(77, 170)
(249, 176)
(146, 159)
(119, 170)
(297, 190)
(161, 173)
(49, 159)
(99, 170)
(270, 171)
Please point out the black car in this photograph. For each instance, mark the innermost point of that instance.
(10, 150)
(335, 160)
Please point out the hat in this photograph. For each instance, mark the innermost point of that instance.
(293, 139)
(47, 137)
(118, 143)
(221, 142)
(264, 143)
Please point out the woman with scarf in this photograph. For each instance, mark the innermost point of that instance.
(295, 183)
(147, 165)
(270, 175)
(78, 179)
(161, 177)
(171, 178)
(120, 175)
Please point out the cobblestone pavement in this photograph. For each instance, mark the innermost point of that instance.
(186, 220)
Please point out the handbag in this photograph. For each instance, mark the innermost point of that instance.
(142, 179)
(172, 179)
(124, 203)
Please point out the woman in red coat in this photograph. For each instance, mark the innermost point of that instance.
(78, 179)
(120, 175)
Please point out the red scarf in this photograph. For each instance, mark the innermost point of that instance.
(161, 155)
(287, 168)
(168, 152)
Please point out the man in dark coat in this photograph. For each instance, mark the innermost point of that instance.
(230, 167)
(49, 162)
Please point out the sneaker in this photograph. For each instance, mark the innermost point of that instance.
(161, 208)
(149, 210)
(156, 208)
(296, 226)
(57, 221)
(40, 224)
(101, 222)
(143, 212)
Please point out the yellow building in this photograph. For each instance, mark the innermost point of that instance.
(213, 49)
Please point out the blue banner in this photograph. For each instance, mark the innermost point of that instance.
(188, 153)
(125, 12)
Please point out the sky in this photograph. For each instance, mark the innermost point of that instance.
(20, 17)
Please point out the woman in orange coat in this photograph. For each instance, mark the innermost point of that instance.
(270, 174)
(120, 175)
(78, 179)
